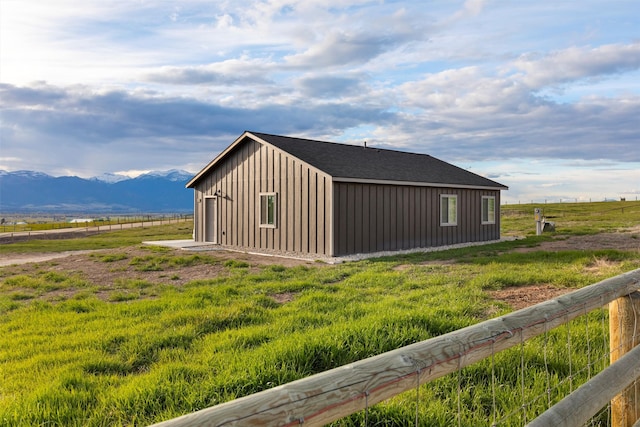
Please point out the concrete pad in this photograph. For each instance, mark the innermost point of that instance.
(181, 244)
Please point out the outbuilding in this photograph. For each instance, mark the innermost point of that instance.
(291, 195)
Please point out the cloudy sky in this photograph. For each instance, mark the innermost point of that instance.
(542, 96)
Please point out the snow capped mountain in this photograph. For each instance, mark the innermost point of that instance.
(162, 191)
(27, 174)
(110, 178)
(172, 175)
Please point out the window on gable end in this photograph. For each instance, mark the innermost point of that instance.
(268, 209)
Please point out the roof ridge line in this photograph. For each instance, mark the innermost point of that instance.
(342, 144)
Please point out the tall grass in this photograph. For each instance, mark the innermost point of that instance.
(148, 352)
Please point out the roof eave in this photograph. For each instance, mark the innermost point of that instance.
(420, 183)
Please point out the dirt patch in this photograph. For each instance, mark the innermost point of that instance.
(106, 268)
(525, 296)
(283, 297)
(624, 241)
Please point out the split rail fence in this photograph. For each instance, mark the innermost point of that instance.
(337, 393)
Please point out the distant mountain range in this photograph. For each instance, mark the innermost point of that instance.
(154, 192)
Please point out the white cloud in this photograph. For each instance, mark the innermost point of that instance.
(575, 64)
(240, 71)
(469, 9)
(465, 89)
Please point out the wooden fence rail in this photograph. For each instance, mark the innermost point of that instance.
(340, 392)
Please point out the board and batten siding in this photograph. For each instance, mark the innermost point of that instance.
(303, 201)
(379, 217)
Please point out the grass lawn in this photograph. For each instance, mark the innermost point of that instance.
(152, 351)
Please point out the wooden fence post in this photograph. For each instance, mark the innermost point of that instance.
(624, 327)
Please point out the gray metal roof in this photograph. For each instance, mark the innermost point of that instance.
(353, 162)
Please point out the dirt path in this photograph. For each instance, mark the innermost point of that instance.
(17, 259)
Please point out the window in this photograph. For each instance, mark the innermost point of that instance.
(488, 210)
(268, 210)
(448, 209)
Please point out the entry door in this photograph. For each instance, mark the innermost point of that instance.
(211, 219)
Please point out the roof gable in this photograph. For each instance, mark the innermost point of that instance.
(244, 138)
(357, 163)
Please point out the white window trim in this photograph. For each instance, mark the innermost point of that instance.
(488, 222)
(275, 210)
(444, 222)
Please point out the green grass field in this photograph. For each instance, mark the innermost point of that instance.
(151, 351)
(17, 223)
(110, 240)
(572, 218)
